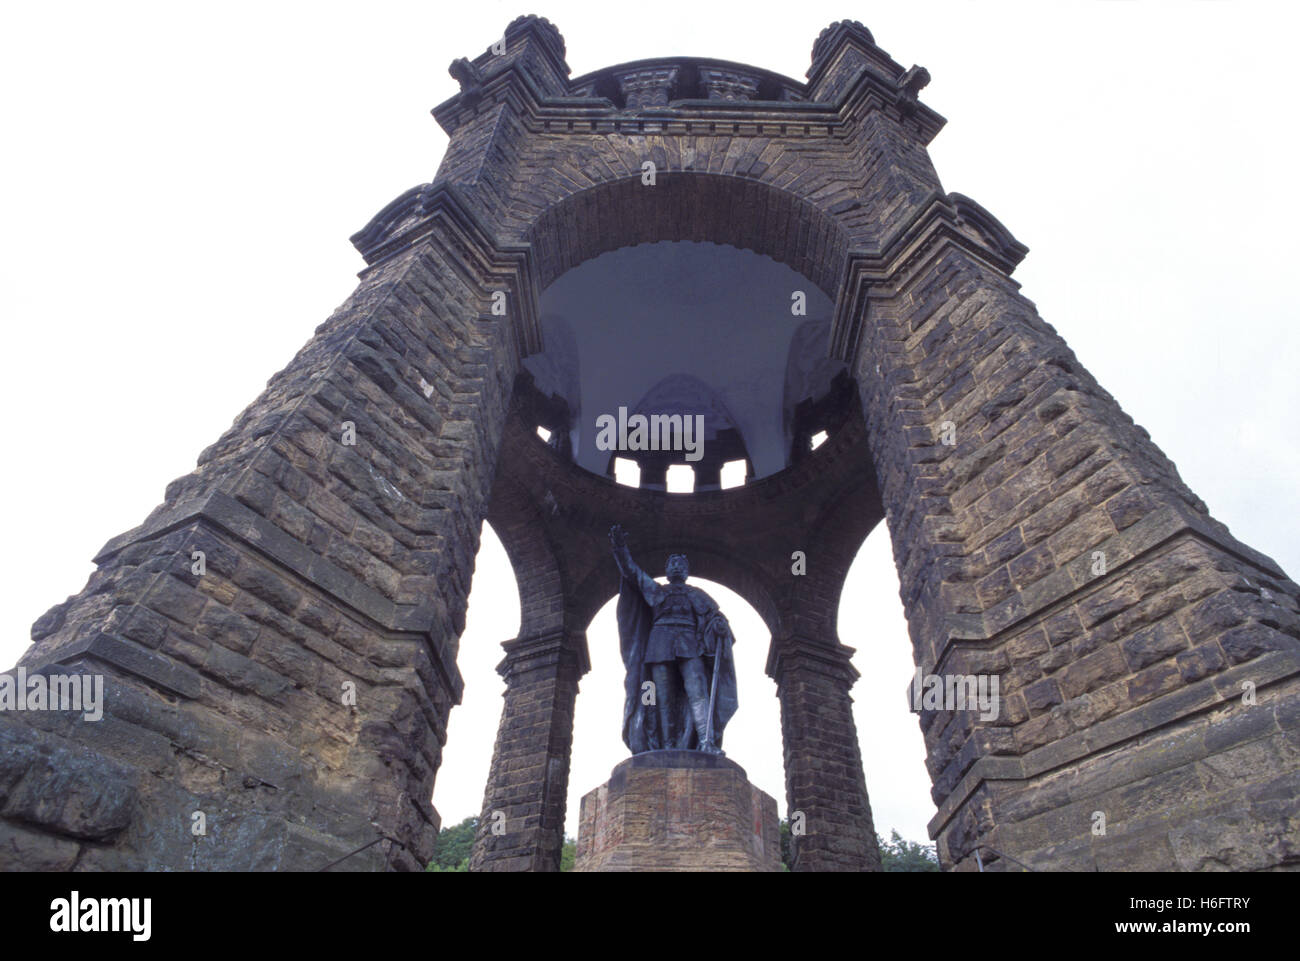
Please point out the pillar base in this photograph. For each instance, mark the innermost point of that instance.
(678, 811)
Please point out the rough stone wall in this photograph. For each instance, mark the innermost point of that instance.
(660, 813)
(1120, 674)
(331, 568)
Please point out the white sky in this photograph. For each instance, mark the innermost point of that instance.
(179, 183)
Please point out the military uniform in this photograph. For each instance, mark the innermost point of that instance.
(675, 632)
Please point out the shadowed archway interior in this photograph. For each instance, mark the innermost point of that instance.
(691, 328)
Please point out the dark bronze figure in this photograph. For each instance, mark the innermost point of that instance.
(676, 645)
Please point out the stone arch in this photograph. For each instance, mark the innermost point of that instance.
(541, 670)
(532, 559)
(731, 209)
(1039, 533)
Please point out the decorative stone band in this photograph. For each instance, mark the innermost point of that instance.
(526, 654)
(727, 84)
(1210, 692)
(1152, 534)
(159, 670)
(441, 210)
(792, 653)
(584, 109)
(939, 221)
(649, 87)
(254, 532)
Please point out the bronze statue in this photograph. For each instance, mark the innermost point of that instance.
(676, 645)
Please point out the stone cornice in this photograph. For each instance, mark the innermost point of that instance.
(786, 88)
(332, 582)
(162, 672)
(510, 84)
(1184, 702)
(583, 113)
(939, 221)
(1156, 532)
(796, 653)
(525, 654)
(440, 210)
(585, 108)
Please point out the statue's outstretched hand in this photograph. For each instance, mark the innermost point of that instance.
(617, 536)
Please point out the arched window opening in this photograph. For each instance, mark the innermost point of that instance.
(733, 474)
(627, 472)
(681, 479)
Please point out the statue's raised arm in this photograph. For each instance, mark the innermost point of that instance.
(618, 541)
(651, 591)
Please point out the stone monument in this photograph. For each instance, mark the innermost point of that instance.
(677, 804)
(279, 637)
(678, 810)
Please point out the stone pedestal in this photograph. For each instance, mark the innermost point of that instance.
(678, 811)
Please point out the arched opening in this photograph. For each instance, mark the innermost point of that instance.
(678, 304)
(753, 737)
(493, 616)
(739, 212)
(871, 620)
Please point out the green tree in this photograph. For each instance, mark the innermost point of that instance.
(451, 853)
(899, 855)
(452, 850)
(787, 850)
(895, 854)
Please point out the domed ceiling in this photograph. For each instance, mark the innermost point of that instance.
(688, 328)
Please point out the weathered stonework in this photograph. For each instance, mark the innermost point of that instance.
(296, 690)
(678, 811)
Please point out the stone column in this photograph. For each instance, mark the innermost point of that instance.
(280, 634)
(522, 824)
(823, 763)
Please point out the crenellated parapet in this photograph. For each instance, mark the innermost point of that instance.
(526, 69)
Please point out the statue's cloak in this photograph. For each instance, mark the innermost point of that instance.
(641, 721)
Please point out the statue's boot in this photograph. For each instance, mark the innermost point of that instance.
(700, 713)
(663, 711)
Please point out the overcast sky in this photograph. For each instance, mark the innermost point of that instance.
(179, 183)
